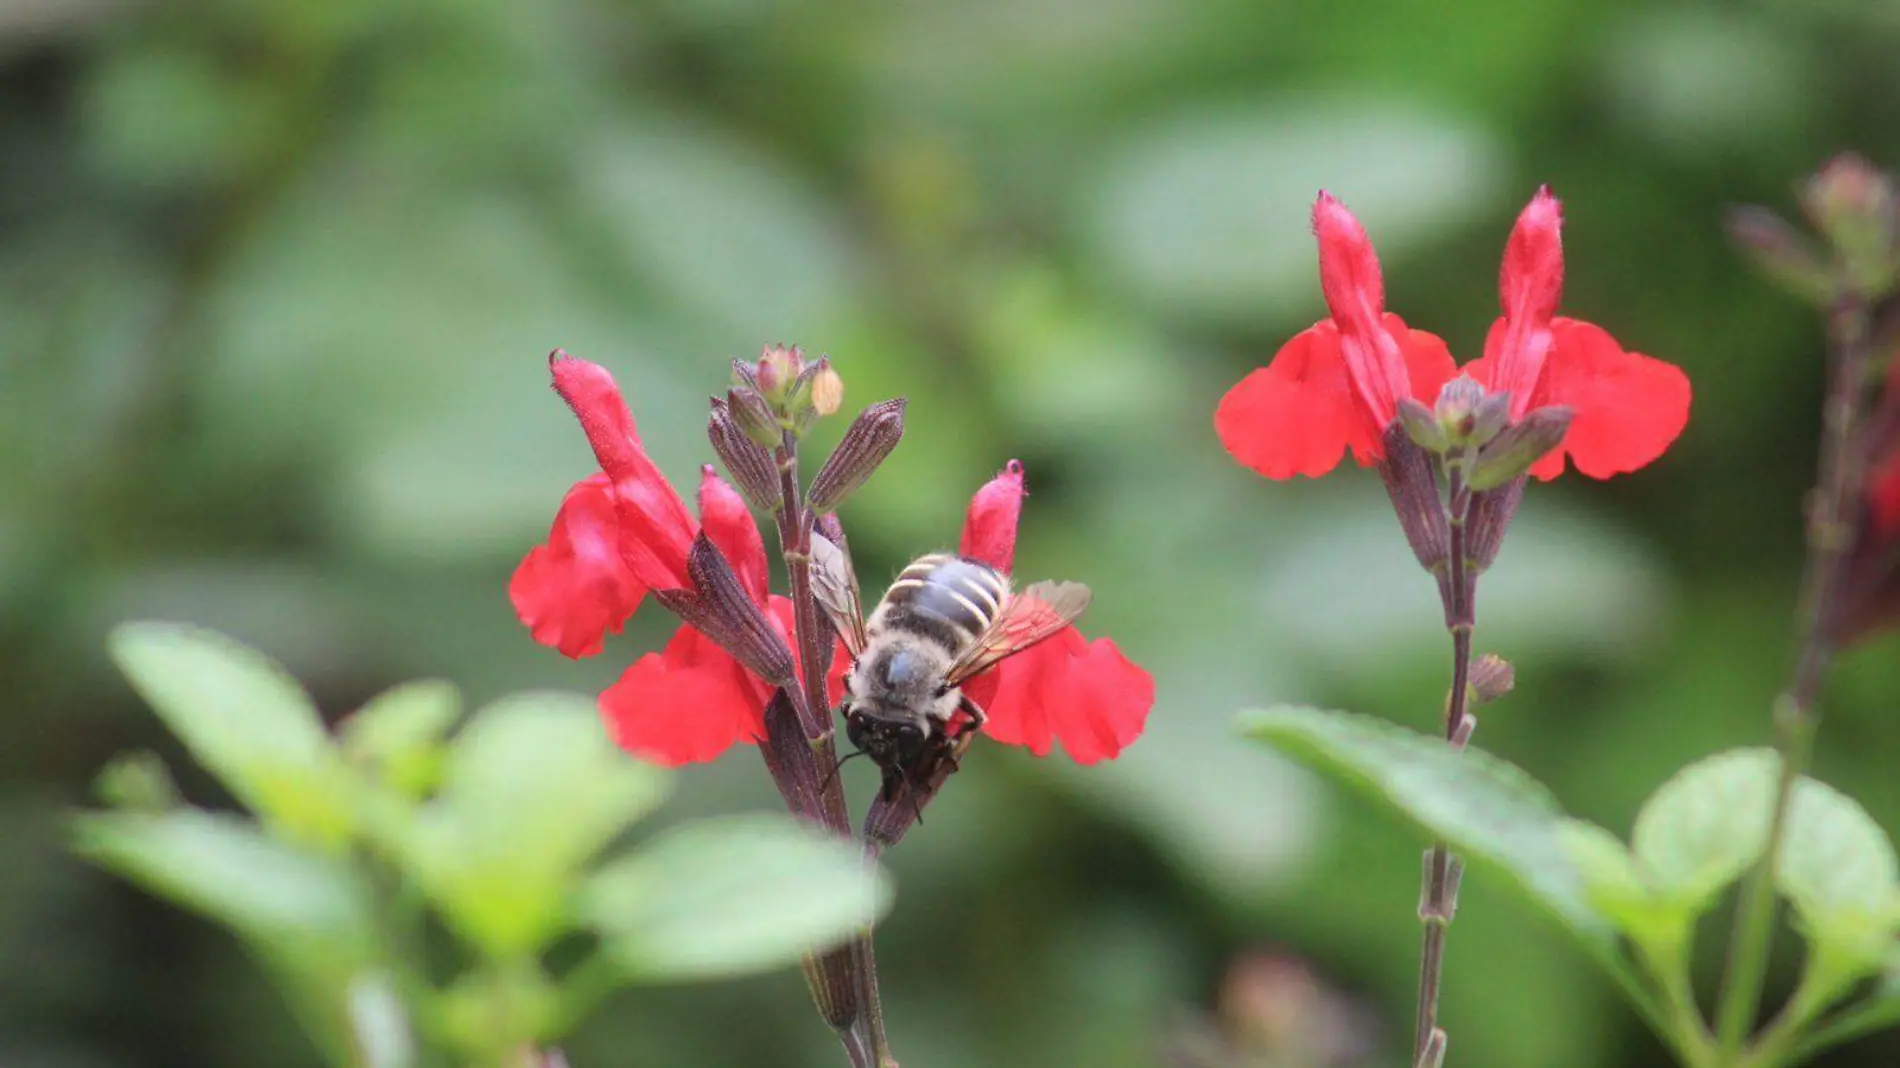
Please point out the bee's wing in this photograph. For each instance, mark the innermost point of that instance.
(835, 583)
(1039, 612)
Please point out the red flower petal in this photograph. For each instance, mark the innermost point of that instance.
(575, 590)
(656, 532)
(686, 704)
(1530, 283)
(1084, 694)
(1355, 295)
(1298, 414)
(1883, 497)
(989, 528)
(1629, 407)
(728, 522)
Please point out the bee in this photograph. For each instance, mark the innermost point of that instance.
(945, 620)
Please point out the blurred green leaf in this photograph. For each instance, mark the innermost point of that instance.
(246, 721)
(400, 733)
(1839, 870)
(1487, 809)
(139, 782)
(298, 907)
(492, 1012)
(379, 1023)
(1205, 213)
(727, 896)
(1617, 888)
(531, 790)
(1702, 828)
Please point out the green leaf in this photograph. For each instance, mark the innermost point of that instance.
(1487, 809)
(727, 896)
(246, 721)
(400, 733)
(531, 790)
(1617, 888)
(1839, 870)
(1703, 827)
(298, 906)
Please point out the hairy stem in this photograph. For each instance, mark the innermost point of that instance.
(1438, 897)
(1834, 513)
(865, 1043)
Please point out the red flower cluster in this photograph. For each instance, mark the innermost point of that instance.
(624, 531)
(1336, 385)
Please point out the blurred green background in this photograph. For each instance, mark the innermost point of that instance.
(277, 281)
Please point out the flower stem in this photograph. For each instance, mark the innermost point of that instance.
(1834, 514)
(1438, 897)
(865, 1042)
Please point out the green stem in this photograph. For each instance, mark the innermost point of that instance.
(1834, 517)
(1863, 1019)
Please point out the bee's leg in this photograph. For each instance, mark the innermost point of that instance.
(978, 717)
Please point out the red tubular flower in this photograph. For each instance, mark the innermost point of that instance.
(1627, 407)
(1084, 694)
(1335, 385)
(620, 533)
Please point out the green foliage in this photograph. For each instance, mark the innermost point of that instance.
(687, 904)
(1694, 837)
(497, 829)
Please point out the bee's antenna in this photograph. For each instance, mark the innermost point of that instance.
(836, 768)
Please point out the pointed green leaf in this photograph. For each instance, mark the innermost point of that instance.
(1487, 809)
(531, 790)
(299, 906)
(246, 721)
(1703, 827)
(400, 733)
(727, 896)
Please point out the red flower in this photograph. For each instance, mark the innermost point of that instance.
(1336, 385)
(1083, 693)
(620, 533)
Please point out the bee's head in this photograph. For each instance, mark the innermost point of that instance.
(886, 741)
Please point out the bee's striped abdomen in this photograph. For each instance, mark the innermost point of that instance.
(947, 599)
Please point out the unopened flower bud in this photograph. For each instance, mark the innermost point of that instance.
(1469, 415)
(827, 390)
(798, 408)
(1779, 251)
(754, 418)
(137, 782)
(1411, 480)
(1854, 206)
(873, 434)
(1491, 678)
(1522, 444)
(778, 367)
(751, 466)
(1490, 516)
(1423, 427)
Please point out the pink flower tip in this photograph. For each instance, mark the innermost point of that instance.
(1531, 281)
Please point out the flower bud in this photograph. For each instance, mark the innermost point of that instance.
(1469, 414)
(1779, 251)
(1522, 444)
(137, 782)
(1854, 206)
(1490, 516)
(1491, 678)
(1411, 480)
(799, 409)
(872, 436)
(1423, 427)
(750, 466)
(778, 367)
(754, 417)
(827, 389)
